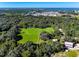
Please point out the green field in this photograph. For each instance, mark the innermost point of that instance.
(33, 34)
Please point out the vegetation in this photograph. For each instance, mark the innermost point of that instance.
(33, 34)
(23, 35)
(71, 54)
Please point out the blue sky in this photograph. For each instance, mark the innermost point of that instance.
(39, 4)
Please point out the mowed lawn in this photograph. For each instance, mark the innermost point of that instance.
(33, 34)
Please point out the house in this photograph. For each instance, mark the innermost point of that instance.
(69, 45)
(76, 46)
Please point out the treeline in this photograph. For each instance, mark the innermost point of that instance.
(10, 48)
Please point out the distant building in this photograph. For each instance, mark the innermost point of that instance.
(47, 14)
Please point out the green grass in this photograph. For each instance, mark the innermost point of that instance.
(71, 54)
(33, 34)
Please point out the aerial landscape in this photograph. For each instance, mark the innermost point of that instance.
(31, 31)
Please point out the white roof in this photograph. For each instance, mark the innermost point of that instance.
(55, 40)
(69, 43)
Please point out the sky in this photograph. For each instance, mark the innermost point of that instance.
(39, 4)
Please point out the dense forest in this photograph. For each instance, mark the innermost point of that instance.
(12, 24)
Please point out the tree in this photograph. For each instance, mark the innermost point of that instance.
(46, 36)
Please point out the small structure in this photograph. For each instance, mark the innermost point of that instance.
(68, 45)
(60, 30)
(77, 47)
(54, 40)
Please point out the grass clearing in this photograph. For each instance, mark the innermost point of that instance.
(69, 53)
(77, 17)
(72, 53)
(33, 34)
